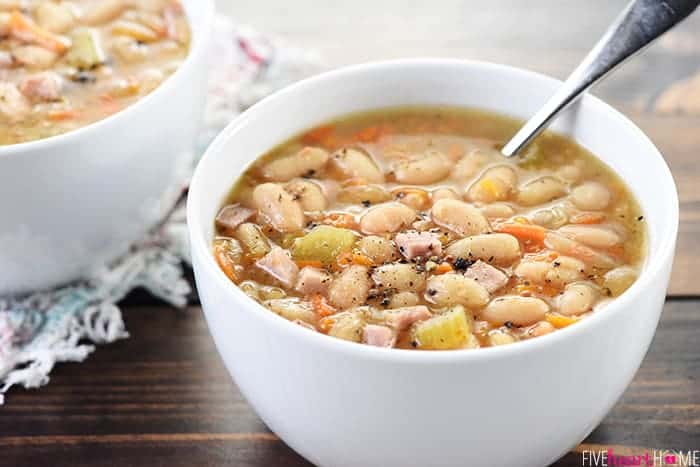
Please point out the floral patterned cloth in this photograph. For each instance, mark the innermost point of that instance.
(39, 330)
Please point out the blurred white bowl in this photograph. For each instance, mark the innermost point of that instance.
(71, 203)
(343, 404)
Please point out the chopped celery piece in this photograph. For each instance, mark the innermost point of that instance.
(449, 330)
(324, 243)
(86, 52)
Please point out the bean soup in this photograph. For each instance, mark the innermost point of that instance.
(407, 228)
(65, 64)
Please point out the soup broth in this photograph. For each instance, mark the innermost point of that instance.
(407, 228)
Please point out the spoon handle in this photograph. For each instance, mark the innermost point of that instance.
(638, 25)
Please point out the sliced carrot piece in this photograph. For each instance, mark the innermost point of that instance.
(321, 306)
(344, 259)
(326, 324)
(524, 232)
(443, 268)
(362, 260)
(61, 115)
(225, 263)
(25, 30)
(308, 263)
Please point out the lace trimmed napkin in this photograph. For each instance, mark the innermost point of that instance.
(39, 330)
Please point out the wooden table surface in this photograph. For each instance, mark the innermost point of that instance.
(163, 397)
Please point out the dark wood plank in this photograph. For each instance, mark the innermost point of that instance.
(541, 35)
(163, 397)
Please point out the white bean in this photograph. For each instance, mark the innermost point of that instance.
(577, 298)
(469, 165)
(33, 56)
(104, 11)
(403, 299)
(350, 288)
(496, 184)
(348, 326)
(570, 173)
(591, 196)
(455, 289)
(309, 194)
(521, 311)
(500, 249)
(444, 193)
(459, 217)
(56, 17)
(541, 190)
(354, 163)
(307, 162)
(538, 329)
(565, 270)
(619, 279)
(357, 194)
(533, 271)
(399, 276)
(552, 218)
(292, 309)
(497, 211)
(597, 237)
(430, 167)
(379, 249)
(279, 207)
(387, 218)
(571, 247)
(559, 272)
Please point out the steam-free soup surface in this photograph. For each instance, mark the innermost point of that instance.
(406, 228)
(65, 64)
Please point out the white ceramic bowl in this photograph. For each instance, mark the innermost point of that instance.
(344, 404)
(72, 202)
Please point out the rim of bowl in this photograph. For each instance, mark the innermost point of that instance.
(199, 245)
(198, 45)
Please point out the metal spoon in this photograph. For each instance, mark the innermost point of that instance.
(638, 25)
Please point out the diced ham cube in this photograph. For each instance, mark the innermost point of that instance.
(415, 244)
(379, 336)
(403, 318)
(279, 265)
(231, 216)
(42, 87)
(313, 281)
(489, 277)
